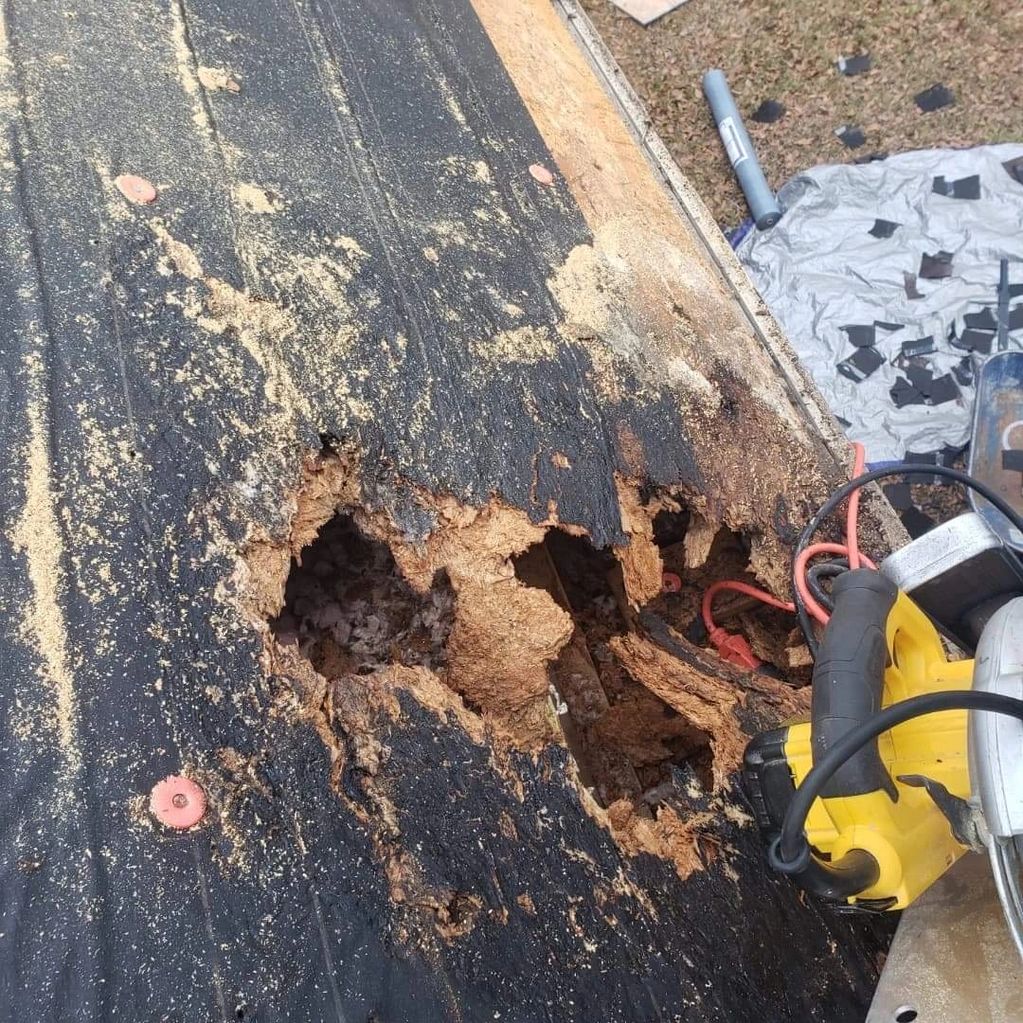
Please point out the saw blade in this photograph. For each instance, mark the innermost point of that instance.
(1006, 864)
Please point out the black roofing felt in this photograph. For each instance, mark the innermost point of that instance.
(149, 428)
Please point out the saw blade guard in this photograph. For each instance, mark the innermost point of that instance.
(995, 744)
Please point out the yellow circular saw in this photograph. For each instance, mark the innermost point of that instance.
(890, 782)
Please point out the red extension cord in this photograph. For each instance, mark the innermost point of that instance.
(736, 649)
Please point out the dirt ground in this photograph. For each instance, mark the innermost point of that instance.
(786, 50)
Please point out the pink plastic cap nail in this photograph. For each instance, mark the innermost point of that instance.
(135, 188)
(541, 174)
(177, 802)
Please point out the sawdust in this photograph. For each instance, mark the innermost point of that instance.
(352, 249)
(325, 279)
(229, 780)
(217, 79)
(448, 233)
(457, 165)
(268, 332)
(632, 291)
(256, 199)
(258, 326)
(182, 257)
(451, 101)
(523, 345)
(36, 534)
(185, 65)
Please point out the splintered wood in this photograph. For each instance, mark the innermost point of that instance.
(530, 634)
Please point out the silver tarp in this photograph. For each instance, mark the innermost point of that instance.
(820, 269)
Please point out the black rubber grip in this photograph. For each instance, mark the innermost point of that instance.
(838, 880)
(848, 678)
(767, 779)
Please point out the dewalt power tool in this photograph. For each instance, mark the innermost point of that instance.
(911, 758)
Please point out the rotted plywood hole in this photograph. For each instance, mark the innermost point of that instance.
(455, 913)
(625, 739)
(351, 612)
(489, 622)
(670, 526)
(725, 554)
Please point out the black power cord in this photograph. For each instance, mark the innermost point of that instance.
(825, 570)
(844, 491)
(790, 852)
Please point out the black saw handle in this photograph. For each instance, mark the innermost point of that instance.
(848, 678)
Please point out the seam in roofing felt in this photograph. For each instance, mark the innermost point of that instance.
(328, 959)
(369, 183)
(207, 913)
(617, 86)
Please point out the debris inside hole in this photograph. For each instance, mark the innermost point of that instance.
(625, 739)
(773, 634)
(350, 611)
(670, 527)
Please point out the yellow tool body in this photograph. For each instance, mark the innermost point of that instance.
(908, 759)
(894, 815)
(910, 838)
